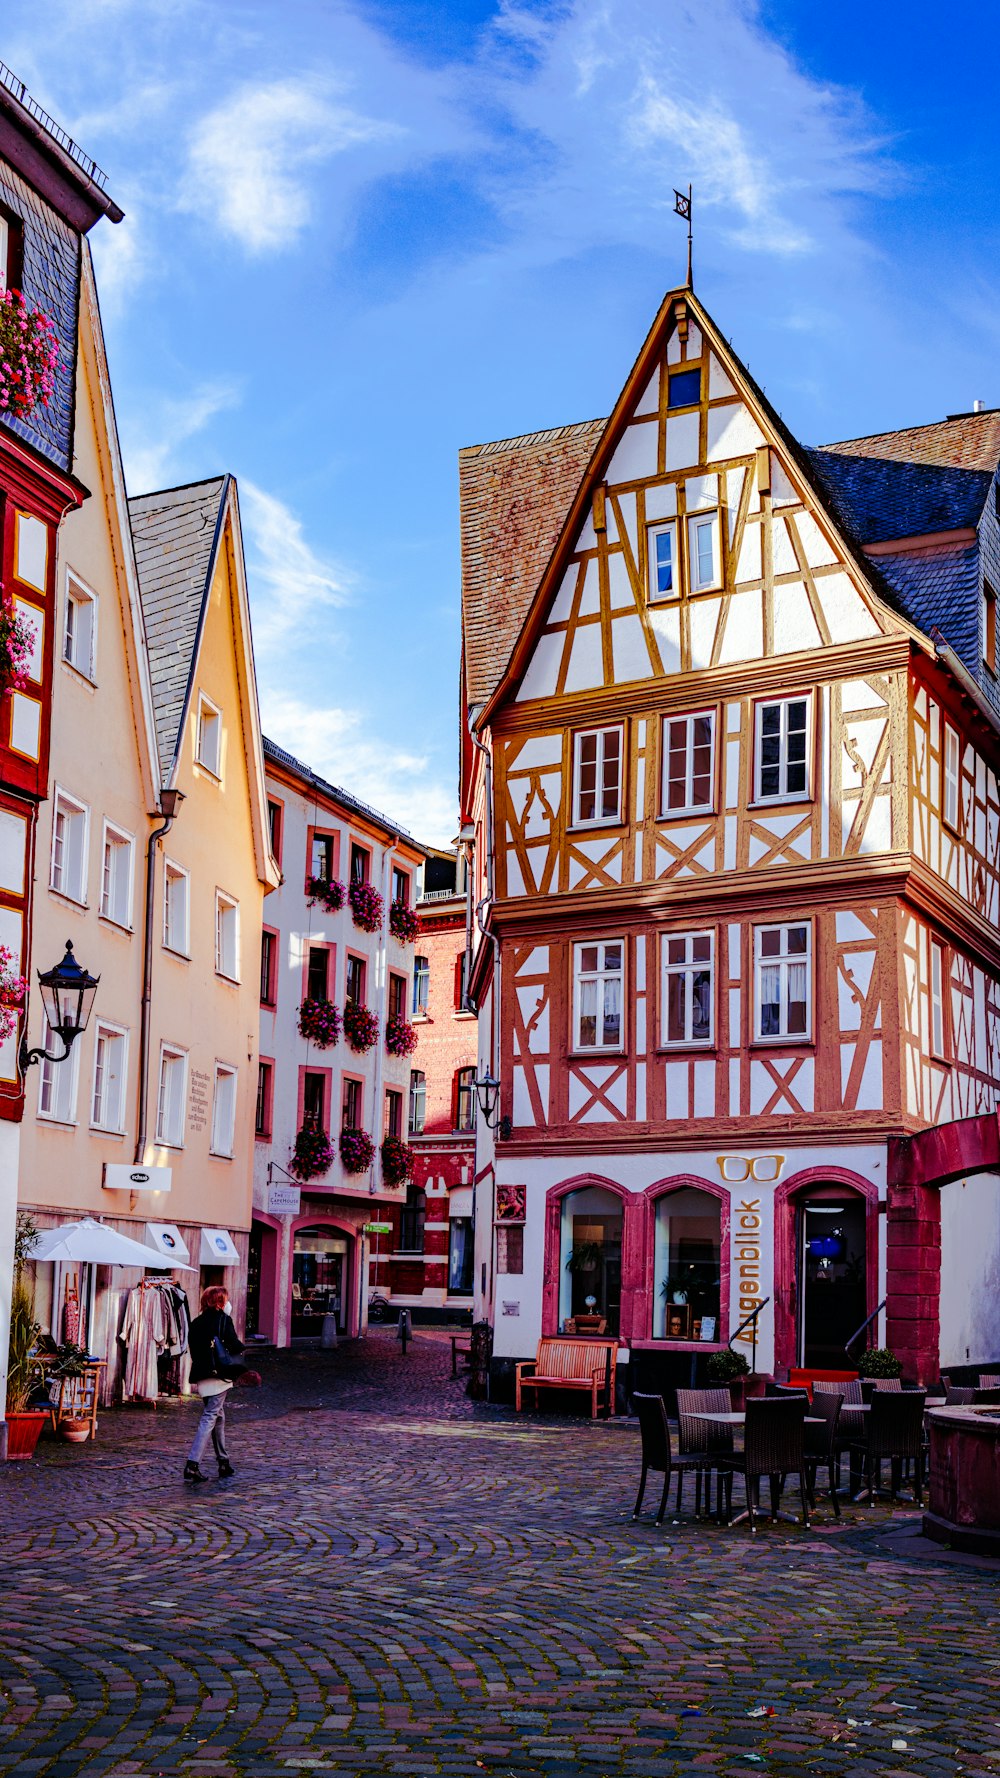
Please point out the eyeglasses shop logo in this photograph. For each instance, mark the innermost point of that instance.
(763, 1169)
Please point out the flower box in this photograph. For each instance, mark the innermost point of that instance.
(12, 988)
(367, 906)
(360, 1027)
(397, 1161)
(357, 1150)
(400, 1037)
(313, 1153)
(404, 924)
(17, 641)
(320, 1023)
(29, 352)
(327, 893)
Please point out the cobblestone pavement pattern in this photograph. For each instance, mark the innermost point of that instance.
(400, 1582)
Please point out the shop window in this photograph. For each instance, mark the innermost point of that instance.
(320, 1281)
(598, 979)
(350, 1105)
(687, 1266)
(265, 1099)
(418, 1101)
(597, 776)
(360, 863)
(688, 764)
(421, 986)
(411, 1219)
(687, 996)
(465, 1100)
(783, 980)
(268, 967)
(318, 973)
(460, 1256)
(781, 741)
(590, 1256)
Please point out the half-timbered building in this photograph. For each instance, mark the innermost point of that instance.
(731, 748)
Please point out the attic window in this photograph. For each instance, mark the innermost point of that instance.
(684, 388)
(209, 743)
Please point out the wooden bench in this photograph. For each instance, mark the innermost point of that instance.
(562, 1363)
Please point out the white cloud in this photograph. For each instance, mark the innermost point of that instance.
(148, 449)
(121, 261)
(248, 158)
(292, 586)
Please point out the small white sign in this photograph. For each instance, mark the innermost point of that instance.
(511, 1308)
(119, 1177)
(218, 1248)
(284, 1200)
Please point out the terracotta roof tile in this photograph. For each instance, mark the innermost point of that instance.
(968, 441)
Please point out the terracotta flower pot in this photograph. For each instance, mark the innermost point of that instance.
(23, 1433)
(75, 1432)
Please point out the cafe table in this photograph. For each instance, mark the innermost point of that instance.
(740, 1419)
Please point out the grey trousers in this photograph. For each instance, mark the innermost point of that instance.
(212, 1425)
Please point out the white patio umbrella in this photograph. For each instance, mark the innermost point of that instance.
(93, 1243)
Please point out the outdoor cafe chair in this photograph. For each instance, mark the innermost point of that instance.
(700, 1445)
(991, 1396)
(772, 1446)
(989, 1379)
(821, 1447)
(786, 1389)
(959, 1395)
(894, 1429)
(654, 1432)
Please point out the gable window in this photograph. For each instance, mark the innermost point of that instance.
(68, 872)
(939, 1024)
(393, 1113)
(355, 986)
(465, 1100)
(107, 1110)
(227, 937)
(116, 877)
(421, 986)
(664, 576)
(781, 747)
(598, 983)
(57, 1081)
(684, 388)
(265, 1099)
(597, 776)
(268, 967)
(951, 775)
(350, 1109)
(176, 908)
(170, 1099)
(418, 1101)
(224, 1111)
(688, 763)
(360, 861)
(687, 995)
(989, 627)
(318, 973)
(783, 987)
(208, 751)
(397, 996)
(401, 886)
(80, 627)
(703, 551)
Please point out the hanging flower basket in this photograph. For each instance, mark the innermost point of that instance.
(329, 894)
(12, 988)
(367, 906)
(400, 1037)
(17, 640)
(357, 1150)
(319, 1023)
(360, 1028)
(313, 1153)
(397, 1161)
(404, 924)
(29, 352)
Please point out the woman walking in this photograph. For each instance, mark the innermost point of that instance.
(215, 1366)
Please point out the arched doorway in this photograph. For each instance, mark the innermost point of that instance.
(321, 1280)
(827, 1263)
(590, 1255)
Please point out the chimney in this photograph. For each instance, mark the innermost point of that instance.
(977, 406)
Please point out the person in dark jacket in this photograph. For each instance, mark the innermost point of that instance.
(211, 1380)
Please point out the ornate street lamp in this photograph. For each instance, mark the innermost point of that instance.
(67, 997)
(488, 1097)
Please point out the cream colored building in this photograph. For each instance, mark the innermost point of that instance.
(154, 710)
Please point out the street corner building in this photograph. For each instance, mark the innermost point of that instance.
(730, 751)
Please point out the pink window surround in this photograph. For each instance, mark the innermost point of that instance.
(314, 944)
(785, 1287)
(644, 1297)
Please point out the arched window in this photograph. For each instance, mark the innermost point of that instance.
(687, 1266)
(590, 1256)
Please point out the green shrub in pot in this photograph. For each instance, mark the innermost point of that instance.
(725, 1366)
(878, 1361)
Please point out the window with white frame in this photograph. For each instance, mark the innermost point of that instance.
(598, 989)
(116, 876)
(224, 1111)
(170, 1099)
(781, 749)
(951, 775)
(209, 743)
(704, 565)
(597, 776)
(783, 980)
(176, 908)
(57, 1081)
(107, 1106)
(939, 1036)
(70, 824)
(227, 937)
(687, 987)
(80, 627)
(664, 567)
(688, 763)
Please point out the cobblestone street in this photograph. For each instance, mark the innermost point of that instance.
(399, 1582)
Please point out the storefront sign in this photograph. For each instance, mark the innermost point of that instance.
(121, 1178)
(376, 1228)
(284, 1200)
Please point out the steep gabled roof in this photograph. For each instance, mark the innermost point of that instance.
(175, 533)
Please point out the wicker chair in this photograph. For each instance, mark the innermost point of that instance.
(959, 1396)
(772, 1446)
(982, 1396)
(700, 1445)
(894, 1429)
(989, 1380)
(774, 1390)
(654, 1431)
(821, 1446)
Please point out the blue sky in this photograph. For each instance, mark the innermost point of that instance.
(359, 236)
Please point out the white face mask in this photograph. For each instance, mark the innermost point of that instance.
(227, 1308)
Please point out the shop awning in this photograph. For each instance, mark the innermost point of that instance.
(167, 1239)
(218, 1248)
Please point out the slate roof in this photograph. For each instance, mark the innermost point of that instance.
(878, 500)
(514, 495)
(351, 803)
(174, 533)
(938, 588)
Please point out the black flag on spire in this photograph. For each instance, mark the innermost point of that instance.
(682, 207)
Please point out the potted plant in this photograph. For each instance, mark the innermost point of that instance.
(12, 988)
(313, 1153)
(24, 1424)
(70, 1362)
(17, 638)
(319, 1023)
(585, 1256)
(730, 1367)
(360, 1027)
(400, 1037)
(878, 1361)
(366, 906)
(404, 924)
(357, 1150)
(330, 894)
(397, 1161)
(28, 354)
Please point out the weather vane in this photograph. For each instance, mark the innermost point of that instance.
(682, 207)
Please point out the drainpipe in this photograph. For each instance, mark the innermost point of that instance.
(481, 910)
(169, 801)
(381, 1009)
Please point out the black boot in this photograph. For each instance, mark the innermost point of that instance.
(192, 1473)
(225, 1468)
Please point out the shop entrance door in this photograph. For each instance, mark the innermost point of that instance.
(319, 1278)
(832, 1278)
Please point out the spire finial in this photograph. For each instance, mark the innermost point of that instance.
(682, 207)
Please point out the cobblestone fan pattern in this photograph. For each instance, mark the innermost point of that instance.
(398, 1582)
